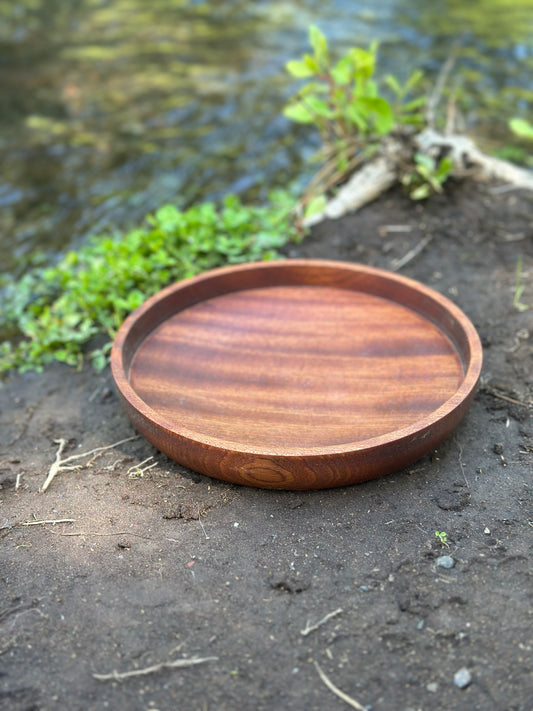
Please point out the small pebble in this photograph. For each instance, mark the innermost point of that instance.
(462, 678)
(445, 561)
(433, 687)
(364, 588)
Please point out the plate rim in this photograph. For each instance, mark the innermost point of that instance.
(461, 396)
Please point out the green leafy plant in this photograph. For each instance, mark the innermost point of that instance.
(427, 177)
(442, 537)
(52, 313)
(351, 110)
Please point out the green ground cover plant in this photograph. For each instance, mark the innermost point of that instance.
(442, 538)
(52, 313)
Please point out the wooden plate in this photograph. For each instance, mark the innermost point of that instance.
(296, 374)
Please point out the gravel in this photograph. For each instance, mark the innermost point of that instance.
(462, 678)
(445, 561)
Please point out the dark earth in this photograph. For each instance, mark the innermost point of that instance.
(161, 564)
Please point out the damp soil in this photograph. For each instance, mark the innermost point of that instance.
(157, 563)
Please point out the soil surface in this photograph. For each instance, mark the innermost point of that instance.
(156, 563)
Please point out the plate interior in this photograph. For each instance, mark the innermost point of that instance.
(296, 367)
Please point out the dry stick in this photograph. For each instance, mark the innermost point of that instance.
(438, 90)
(398, 264)
(201, 524)
(38, 523)
(96, 533)
(176, 664)
(51, 520)
(331, 686)
(461, 464)
(327, 177)
(59, 464)
(311, 628)
(495, 393)
(136, 471)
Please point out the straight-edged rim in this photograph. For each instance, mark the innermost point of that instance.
(464, 339)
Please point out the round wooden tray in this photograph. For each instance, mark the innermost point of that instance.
(296, 374)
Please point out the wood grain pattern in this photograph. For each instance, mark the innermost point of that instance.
(296, 374)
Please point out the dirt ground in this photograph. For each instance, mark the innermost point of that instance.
(161, 564)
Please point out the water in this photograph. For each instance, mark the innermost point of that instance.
(113, 107)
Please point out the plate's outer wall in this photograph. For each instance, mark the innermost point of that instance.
(310, 467)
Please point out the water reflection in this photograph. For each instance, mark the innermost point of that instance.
(112, 107)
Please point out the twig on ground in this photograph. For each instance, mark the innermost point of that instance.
(331, 686)
(137, 470)
(461, 464)
(501, 189)
(51, 520)
(201, 524)
(38, 523)
(176, 664)
(311, 628)
(501, 396)
(387, 229)
(96, 533)
(59, 464)
(17, 481)
(398, 264)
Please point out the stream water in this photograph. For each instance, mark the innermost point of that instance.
(111, 108)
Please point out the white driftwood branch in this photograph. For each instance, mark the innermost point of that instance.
(364, 186)
(379, 175)
(469, 160)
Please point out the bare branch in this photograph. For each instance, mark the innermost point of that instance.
(176, 664)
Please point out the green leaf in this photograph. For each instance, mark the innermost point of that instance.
(521, 128)
(318, 107)
(393, 84)
(299, 113)
(444, 169)
(357, 117)
(424, 161)
(380, 111)
(168, 217)
(421, 192)
(312, 64)
(342, 72)
(312, 87)
(415, 78)
(315, 206)
(299, 69)
(364, 62)
(414, 104)
(319, 44)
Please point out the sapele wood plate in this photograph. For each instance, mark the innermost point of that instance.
(296, 374)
